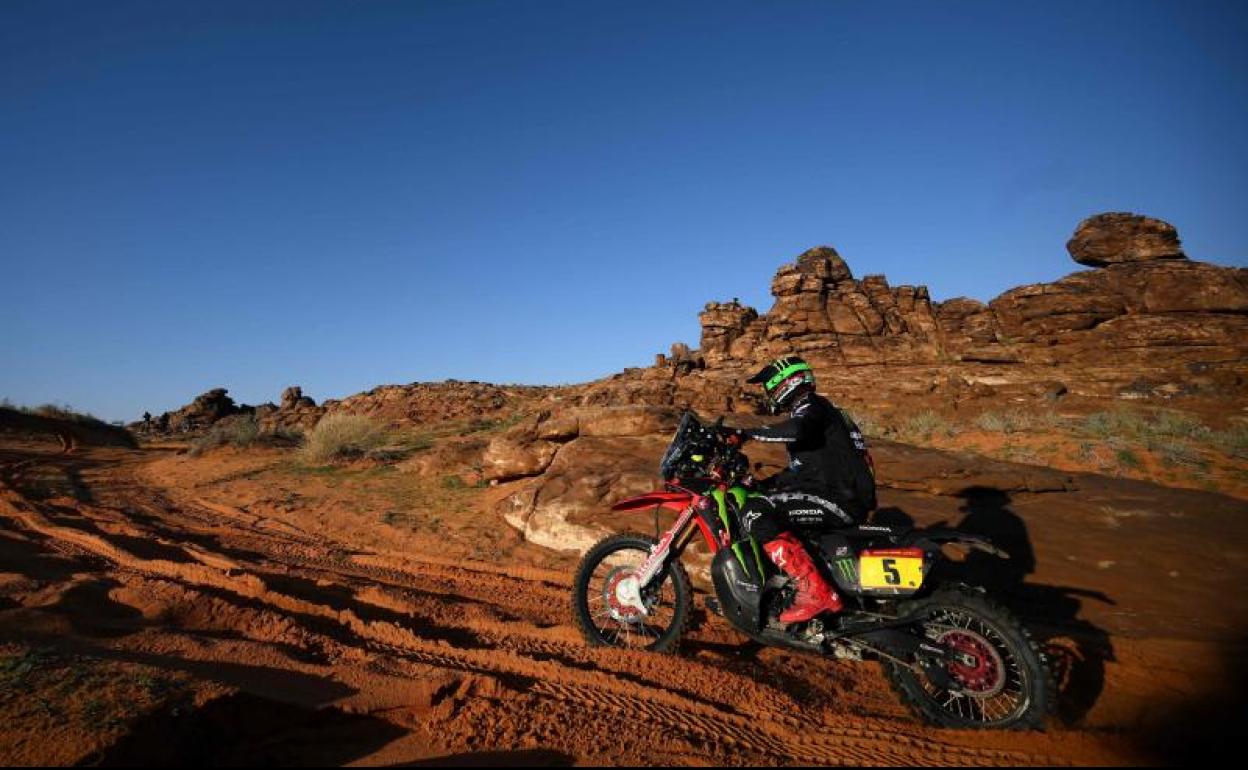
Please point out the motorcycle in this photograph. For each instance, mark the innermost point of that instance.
(953, 655)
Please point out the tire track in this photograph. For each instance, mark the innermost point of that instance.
(480, 622)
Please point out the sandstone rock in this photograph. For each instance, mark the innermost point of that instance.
(293, 398)
(1049, 308)
(722, 324)
(200, 414)
(959, 308)
(423, 402)
(900, 466)
(461, 457)
(568, 507)
(506, 458)
(1117, 237)
(627, 421)
(1184, 287)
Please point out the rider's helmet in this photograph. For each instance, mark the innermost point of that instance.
(783, 380)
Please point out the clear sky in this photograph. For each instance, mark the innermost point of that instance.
(341, 195)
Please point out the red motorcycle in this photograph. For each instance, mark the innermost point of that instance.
(957, 658)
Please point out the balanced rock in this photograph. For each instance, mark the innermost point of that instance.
(1117, 237)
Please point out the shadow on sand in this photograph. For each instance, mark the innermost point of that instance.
(247, 730)
(1077, 649)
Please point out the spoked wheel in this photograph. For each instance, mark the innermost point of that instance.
(613, 609)
(999, 678)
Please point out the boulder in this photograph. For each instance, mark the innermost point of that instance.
(1121, 237)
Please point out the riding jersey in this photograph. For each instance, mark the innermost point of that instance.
(827, 455)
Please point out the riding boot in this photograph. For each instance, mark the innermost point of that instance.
(814, 595)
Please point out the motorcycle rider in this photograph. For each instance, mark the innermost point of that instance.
(829, 482)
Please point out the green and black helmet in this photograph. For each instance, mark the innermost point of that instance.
(782, 380)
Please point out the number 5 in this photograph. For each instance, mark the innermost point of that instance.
(891, 575)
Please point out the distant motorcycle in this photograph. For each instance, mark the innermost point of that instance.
(953, 655)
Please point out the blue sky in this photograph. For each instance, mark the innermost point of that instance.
(341, 195)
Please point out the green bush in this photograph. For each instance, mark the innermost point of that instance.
(342, 435)
(1127, 458)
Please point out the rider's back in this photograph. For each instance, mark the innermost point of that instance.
(829, 458)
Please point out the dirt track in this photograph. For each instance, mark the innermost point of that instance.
(350, 655)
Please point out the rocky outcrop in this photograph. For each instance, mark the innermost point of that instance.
(822, 311)
(572, 464)
(1145, 322)
(295, 414)
(195, 417)
(1145, 314)
(1120, 237)
(414, 404)
(424, 402)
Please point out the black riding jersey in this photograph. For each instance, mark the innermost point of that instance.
(827, 454)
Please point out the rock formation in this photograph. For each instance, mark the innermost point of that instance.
(296, 413)
(1145, 322)
(1119, 237)
(200, 414)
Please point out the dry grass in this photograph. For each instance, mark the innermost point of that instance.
(923, 426)
(339, 436)
(240, 430)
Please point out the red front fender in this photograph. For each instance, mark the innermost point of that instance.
(676, 501)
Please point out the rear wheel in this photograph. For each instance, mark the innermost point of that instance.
(1001, 680)
(612, 609)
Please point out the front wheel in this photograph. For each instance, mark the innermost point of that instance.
(1002, 680)
(611, 609)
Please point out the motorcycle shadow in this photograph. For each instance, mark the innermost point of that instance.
(1077, 649)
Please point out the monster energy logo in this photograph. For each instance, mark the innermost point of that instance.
(848, 570)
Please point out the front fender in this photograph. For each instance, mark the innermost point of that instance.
(675, 501)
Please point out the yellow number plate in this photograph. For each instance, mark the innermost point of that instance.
(901, 572)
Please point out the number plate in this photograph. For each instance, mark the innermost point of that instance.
(903, 573)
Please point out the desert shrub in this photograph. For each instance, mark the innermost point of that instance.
(869, 424)
(342, 435)
(923, 425)
(1179, 453)
(1127, 459)
(1233, 441)
(999, 422)
(64, 412)
(1113, 425)
(240, 430)
(1152, 430)
(1177, 425)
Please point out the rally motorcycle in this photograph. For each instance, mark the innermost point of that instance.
(954, 656)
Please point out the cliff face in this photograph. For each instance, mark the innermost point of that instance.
(1145, 322)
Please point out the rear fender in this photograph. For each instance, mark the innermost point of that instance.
(933, 539)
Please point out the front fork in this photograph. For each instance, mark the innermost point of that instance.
(664, 549)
